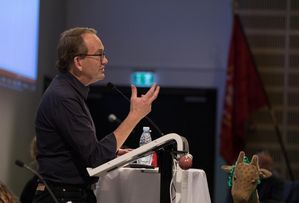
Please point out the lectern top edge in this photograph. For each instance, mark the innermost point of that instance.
(181, 142)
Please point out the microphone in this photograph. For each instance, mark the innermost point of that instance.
(23, 165)
(113, 119)
(112, 86)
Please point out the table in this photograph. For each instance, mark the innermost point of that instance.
(128, 185)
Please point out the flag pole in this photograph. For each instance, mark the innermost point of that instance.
(280, 140)
(269, 107)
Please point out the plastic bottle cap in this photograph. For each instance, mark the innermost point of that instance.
(145, 128)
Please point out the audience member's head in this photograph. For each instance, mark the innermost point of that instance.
(6, 196)
(265, 160)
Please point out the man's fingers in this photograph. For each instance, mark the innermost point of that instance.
(150, 95)
(133, 91)
(152, 91)
(155, 94)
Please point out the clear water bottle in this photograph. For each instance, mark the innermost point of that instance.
(144, 139)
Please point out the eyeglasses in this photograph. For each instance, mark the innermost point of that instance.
(100, 55)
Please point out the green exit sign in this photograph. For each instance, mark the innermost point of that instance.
(143, 78)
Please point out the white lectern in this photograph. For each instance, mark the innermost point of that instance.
(178, 142)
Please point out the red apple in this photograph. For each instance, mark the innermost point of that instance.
(185, 161)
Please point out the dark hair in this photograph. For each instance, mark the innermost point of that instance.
(71, 44)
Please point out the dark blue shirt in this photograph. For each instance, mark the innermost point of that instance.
(66, 137)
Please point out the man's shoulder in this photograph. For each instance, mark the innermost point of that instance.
(59, 89)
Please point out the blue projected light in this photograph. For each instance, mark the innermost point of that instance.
(142, 78)
(19, 43)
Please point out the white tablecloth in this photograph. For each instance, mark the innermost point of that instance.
(127, 185)
(194, 187)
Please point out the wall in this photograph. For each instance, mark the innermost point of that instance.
(16, 124)
(168, 36)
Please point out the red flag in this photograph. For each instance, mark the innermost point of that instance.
(244, 94)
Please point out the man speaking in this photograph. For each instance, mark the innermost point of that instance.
(66, 136)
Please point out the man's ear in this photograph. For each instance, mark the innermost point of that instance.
(77, 63)
(226, 168)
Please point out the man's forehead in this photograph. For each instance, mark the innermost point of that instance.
(93, 42)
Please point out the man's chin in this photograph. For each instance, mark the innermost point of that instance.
(101, 77)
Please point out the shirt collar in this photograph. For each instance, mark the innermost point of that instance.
(77, 85)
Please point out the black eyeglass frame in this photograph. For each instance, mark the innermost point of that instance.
(101, 55)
